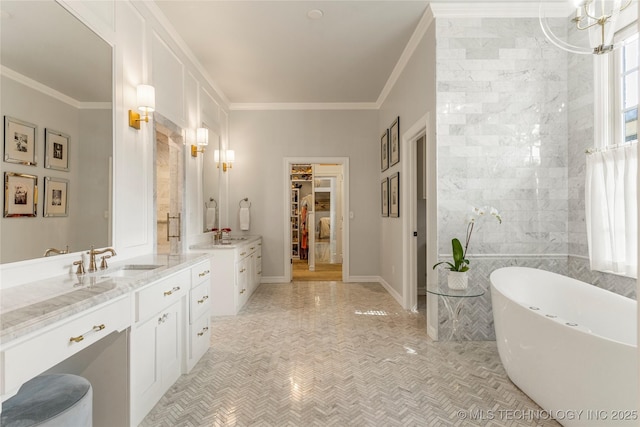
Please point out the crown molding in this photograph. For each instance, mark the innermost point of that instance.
(407, 53)
(500, 10)
(281, 106)
(46, 90)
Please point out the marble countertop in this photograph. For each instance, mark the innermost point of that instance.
(235, 242)
(32, 306)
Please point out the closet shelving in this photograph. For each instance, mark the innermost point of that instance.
(295, 223)
(300, 174)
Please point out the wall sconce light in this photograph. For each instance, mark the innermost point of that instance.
(202, 139)
(227, 161)
(146, 104)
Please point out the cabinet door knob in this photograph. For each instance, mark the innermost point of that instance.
(243, 254)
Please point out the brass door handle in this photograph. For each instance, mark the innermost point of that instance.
(204, 273)
(205, 329)
(204, 298)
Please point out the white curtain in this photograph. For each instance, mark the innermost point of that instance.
(612, 210)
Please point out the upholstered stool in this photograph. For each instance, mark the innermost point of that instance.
(58, 400)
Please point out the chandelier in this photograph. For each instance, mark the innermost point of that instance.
(597, 17)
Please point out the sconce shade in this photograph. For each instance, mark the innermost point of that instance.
(229, 156)
(146, 98)
(202, 136)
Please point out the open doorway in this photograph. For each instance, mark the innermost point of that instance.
(169, 186)
(316, 219)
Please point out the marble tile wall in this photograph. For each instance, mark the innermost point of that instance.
(502, 126)
(580, 135)
(515, 115)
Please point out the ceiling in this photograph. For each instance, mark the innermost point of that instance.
(264, 51)
(272, 52)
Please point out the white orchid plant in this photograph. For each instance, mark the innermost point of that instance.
(460, 261)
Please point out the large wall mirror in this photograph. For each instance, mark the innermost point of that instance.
(211, 182)
(57, 84)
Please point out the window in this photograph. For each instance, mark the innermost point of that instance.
(626, 89)
(611, 208)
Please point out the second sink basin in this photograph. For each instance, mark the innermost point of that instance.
(130, 270)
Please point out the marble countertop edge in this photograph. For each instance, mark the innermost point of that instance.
(16, 323)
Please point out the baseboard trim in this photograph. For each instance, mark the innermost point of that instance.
(363, 279)
(391, 291)
(273, 279)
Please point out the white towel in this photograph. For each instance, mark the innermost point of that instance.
(245, 218)
(210, 220)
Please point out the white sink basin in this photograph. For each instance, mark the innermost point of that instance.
(130, 270)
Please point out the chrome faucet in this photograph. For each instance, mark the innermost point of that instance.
(56, 251)
(92, 258)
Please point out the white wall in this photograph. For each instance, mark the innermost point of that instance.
(262, 139)
(411, 98)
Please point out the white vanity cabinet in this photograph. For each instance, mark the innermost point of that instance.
(157, 341)
(237, 273)
(29, 356)
(199, 334)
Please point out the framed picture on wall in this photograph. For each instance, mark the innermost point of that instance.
(384, 196)
(19, 141)
(56, 150)
(384, 150)
(394, 143)
(394, 195)
(20, 194)
(56, 202)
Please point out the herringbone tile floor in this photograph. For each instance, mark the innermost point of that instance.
(335, 354)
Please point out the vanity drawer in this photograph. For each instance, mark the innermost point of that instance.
(42, 350)
(161, 294)
(201, 272)
(200, 300)
(200, 337)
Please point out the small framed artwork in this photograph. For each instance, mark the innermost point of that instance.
(20, 194)
(394, 143)
(56, 150)
(384, 196)
(19, 141)
(394, 195)
(384, 150)
(56, 202)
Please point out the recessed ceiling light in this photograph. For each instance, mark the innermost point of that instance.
(315, 14)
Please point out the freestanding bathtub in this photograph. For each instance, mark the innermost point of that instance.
(570, 346)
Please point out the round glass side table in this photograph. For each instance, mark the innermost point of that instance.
(454, 300)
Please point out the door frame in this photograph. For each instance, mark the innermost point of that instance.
(409, 221)
(286, 185)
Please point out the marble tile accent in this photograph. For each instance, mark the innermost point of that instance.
(476, 317)
(336, 354)
(579, 269)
